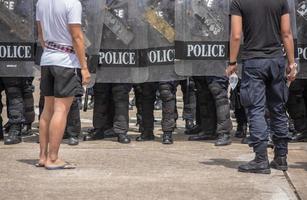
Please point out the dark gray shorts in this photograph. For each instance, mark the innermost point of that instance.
(59, 81)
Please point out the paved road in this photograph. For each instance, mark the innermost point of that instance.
(183, 171)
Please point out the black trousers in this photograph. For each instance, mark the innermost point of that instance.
(168, 96)
(189, 99)
(213, 104)
(111, 107)
(73, 126)
(14, 87)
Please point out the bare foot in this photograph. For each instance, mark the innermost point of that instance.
(41, 162)
(58, 164)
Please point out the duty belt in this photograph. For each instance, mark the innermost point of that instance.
(59, 47)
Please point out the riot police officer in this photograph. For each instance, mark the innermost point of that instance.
(111, 110)
(214, 110)
(13, 88)
(168, 96)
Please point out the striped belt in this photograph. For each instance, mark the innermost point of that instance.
(59, 47)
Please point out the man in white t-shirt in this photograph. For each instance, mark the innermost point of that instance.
(60, 34)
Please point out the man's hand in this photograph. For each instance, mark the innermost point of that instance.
(231, 69)
(291, 72)
(86, 76)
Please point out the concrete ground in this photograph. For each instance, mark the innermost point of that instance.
(182, 171)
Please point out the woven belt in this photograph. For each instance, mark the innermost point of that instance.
(59, 47)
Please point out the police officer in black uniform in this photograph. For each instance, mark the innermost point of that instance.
(214, 110)
(13, 88)
(168, 96)
(111, 111)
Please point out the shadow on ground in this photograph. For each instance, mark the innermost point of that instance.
(299, 165)
(28, 161)
(223, 162)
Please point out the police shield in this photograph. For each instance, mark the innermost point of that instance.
(92, 18)
(17, 38)
(301, 23)
(160, 56)
(123, 41)
(202, 35)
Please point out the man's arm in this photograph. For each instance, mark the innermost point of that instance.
(235, 42)
(287, 39)
(78, 43)
(40, 34)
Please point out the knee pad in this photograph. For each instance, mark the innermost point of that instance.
(166, 93)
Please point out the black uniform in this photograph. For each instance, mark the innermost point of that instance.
(111, 109)
(168, 96)
(15, 107)
(189, 102)
(214, 109)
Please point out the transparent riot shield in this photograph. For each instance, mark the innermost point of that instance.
(92, 18)
(160, 56)
(123, 40)
(202, 36)
(301, 33)
(17, 49)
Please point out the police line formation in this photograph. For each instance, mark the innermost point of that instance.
(150, 45)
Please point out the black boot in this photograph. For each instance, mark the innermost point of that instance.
(96, 134)
(259, 165)
(73, 141)
(13, 135)
(203, 136)
(300, 137)
(193, 131)
(145, 136)
(223, 140)
(279, 163)
(123, 138)
(189, 124)
(167, 138)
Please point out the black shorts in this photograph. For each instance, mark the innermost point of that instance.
(59, 81)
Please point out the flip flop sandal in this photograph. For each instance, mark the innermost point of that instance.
(39, 165)
(60, 167)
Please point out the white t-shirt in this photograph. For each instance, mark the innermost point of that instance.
(54, 17)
